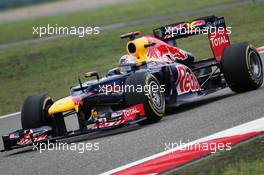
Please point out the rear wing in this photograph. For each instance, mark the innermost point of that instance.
(212, 26)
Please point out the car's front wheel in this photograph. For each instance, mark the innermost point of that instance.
(146, 91)
(34, 114)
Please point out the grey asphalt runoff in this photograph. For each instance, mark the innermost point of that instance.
(147, 20)
(216, 112)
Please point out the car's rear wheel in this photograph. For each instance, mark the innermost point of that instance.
(242, 67)
(34, 114)
(151, 95)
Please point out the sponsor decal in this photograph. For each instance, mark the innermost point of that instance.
(128, 115)
(29, 138)
(161, 50)
(187, 81)
(105, 124)
(131, 113)
(219, 41)
(116, 114)
(196, 23)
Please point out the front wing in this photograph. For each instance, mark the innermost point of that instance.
(23, 138)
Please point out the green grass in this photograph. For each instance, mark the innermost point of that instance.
(11, 4)
(144, 8)
(244, 159)
(52, 66)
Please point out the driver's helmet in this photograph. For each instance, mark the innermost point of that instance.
(125, 63)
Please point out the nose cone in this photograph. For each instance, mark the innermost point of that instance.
(62, 105)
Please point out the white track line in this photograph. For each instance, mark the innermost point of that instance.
(10, 115)
(255, 125)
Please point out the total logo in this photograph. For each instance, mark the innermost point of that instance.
(131, 112)
(186, 81)
(219, 41)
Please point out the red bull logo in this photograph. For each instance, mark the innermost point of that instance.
(196, 23)
(161, 49)
(174, 53)
(186, 81)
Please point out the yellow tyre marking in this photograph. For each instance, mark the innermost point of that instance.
(149, 101)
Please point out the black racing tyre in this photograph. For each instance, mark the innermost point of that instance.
(242, 67)
(34, 114)
(34, 111)
(152, 99)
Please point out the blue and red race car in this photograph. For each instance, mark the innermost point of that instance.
(153, 75)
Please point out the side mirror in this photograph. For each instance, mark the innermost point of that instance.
(117, 71)
(141, 64)
(113, 71)
(92, 74)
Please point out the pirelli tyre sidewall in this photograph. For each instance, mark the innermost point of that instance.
(153, 100)
(242, 67)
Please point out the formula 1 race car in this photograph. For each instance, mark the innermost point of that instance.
(154, 74)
